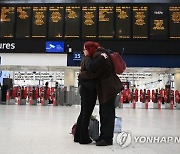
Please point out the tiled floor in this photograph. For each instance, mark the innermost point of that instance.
(45, 130)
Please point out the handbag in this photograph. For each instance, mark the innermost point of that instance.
(117, 125)
(118, 63)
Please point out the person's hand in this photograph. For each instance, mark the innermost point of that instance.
(86, 53)
(104, 55)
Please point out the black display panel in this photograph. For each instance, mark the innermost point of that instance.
(39, 22)
(174, 22)
(140, 24)
(123, 22)
(106, 22)
(23, 22)
(89, 21)
(72, 22)
(56, 19)
(158, 22)
(7, 22)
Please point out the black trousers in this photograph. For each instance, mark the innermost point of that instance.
(107, 117)
(88, 101)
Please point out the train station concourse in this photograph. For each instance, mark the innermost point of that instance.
(42, 54)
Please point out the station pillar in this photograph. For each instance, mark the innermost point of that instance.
(177, 81)
(69, 78)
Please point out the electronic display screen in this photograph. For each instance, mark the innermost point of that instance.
(158, 22)
(140, 24)
(39, 22)
(23, 22)
(174, 22)
(56, 20)
(89, 21)
(72, 22)
(106, 22)
(4, 74)
(7, 22)
(123, 22)
(55, 47)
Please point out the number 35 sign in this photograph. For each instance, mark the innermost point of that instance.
(77, 56)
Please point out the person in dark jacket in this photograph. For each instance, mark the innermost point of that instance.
(87, 89)
(107, 91)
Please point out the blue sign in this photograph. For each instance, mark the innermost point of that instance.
(55, 47)
(77, 56)
(4, 74)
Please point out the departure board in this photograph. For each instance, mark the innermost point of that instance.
(23, 22)
(158, 22)
(106, 22)
(89, 21)
(7, 22)
(72, 22)
(123, 22)
(39, 22)
(56, 20)
(140, 24)
(174, 22)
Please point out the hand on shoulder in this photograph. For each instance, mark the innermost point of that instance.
(104, 55)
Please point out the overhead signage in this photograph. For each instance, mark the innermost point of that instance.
(77, 56)
(7, 46)
(55, 46)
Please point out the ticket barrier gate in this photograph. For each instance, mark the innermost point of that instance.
(33, 96)
(11, 97)
(68, 98)
(120, 98)
(169, 102)
(30, 100)
(134, 98)
(58, 91)
(61, 97)
(157, 99)
(43, 100)
(142, 98)
(177, 99)
(46, 96)
(8, 97)
(145, 98)
(54, 98)
(145, 105)
(21, 97)
(119, 101)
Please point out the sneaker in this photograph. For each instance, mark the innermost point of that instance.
(103, 143)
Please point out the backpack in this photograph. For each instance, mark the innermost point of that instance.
(118, 63)
(93, 128)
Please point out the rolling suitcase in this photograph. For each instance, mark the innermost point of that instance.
(94, 129)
